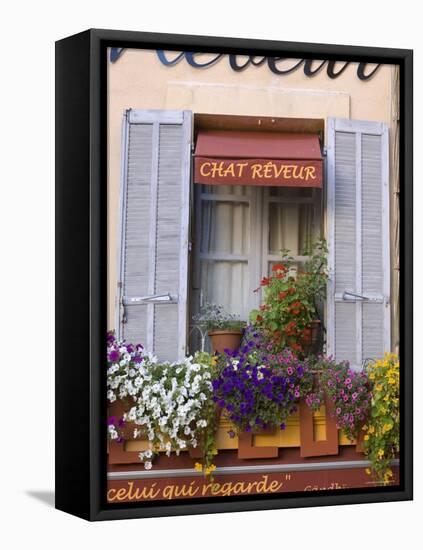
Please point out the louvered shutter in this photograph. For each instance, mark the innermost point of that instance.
(358, 301)
(153, 244)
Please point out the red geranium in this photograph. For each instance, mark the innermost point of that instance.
(290, 298)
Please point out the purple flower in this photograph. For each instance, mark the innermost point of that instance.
(111, 420)
(114, 356)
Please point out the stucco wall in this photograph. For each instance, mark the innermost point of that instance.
(139, 80)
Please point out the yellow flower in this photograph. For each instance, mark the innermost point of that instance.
(198, 467)
(386, 428)
(372, 376)
(213, 361)
(391, 381)
(371, 430)
(378, 387)
(380, 453)
(368, 471)
(366, 438)
(210, 469)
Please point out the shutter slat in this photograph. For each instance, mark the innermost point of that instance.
(135, 230)
(345, 213)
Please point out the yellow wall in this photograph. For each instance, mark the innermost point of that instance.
(139, 80)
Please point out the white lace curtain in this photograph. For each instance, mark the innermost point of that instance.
(229, 237)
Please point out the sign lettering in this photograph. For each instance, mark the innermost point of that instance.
(274, 64)
(139, 490)
(304, 173)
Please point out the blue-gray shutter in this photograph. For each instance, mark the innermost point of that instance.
(154, 218)
(358, 301)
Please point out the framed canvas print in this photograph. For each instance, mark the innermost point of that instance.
(234, 274)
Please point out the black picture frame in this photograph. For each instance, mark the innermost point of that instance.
(81, 177)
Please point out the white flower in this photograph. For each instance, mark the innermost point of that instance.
(148, 465)
(111, 396)
(112, 432)
(202, 423)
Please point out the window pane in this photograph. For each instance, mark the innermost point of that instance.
(225, 227)
(290, 227)
(236, 190)
(290, 192)
(226, 284)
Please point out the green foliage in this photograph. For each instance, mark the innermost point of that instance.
(214, 317)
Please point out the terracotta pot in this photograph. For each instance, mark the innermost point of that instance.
(225, 339)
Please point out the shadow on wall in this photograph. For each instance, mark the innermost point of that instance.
(46, 497)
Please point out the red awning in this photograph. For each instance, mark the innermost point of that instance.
(258, 158)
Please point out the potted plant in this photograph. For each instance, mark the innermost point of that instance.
(259, 390)
(288, 316)
(168, 404)
(224, 329)
(349, 391)
(381, 439)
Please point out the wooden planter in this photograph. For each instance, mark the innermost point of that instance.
(225, 339)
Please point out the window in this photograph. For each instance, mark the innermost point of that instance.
(240, 231)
